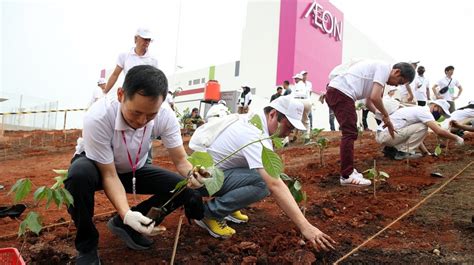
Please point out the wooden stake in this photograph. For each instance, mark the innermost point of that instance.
(176, 239)
(375, 177)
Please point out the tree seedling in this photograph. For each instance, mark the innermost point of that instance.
(376, 176)
(322, 144)
(56, 193)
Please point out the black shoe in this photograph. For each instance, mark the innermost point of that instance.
(402, 155)
(12, 211)
(132, 238)
(88, 258)
(390, 151)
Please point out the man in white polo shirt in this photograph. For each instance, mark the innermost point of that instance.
(365, 79)
(421, 87)
(112, 155)
(444, 88)
(138, 55)
(98, 92)
(411, 124)
(300, 92)
(461, 120)
(246, 180)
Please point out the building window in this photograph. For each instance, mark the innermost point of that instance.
(190, 82)
(203, 80)
(237, 68)
(196, 81)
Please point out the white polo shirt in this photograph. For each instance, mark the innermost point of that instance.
(404, 117)
(128, 60)
(419, 88)
(300, 90)
(359, 79)
(237, 135)
(460, 115)
(103, 141)
(443, 82)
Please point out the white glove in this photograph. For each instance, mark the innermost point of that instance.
(138, 222)
(459, 140)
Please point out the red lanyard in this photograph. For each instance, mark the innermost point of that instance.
(137, 158)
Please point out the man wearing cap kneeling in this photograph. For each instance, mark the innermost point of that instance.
(411, 125)
(246, 180)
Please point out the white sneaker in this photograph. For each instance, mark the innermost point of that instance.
(355, 179)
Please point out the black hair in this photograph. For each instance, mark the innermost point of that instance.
(278, 88)
(421, 69)
(280, 115)
(286, 82)
(406, 70)
(145, 80)
(448, 68)
(195, 110)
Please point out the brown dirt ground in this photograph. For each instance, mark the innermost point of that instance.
(349, 215)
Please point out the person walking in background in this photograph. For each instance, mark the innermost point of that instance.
(277, 94)
(286, 87)
(98, 92)
(301, 93)
(421, 87)
(245, 100)
(139, 55)
(444, 88)
(309, 88)
(363, 80)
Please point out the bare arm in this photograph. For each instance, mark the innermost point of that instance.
(410, 93)
(112, 79)
(467, 128)
(285, 200)
(113, 188)
(178, 156)
(435, 92)
(376, 99)
(459, 93)
(440, 131)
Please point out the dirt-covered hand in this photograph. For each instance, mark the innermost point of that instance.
(196, 177)
(139, 222)
(320, 240)
(459, 140)
(388, 123)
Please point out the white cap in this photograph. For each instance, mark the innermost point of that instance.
(444, 105)
(414, 62)
(303, 72)
(470, 102)
(144, 33)
(299, 76)
(222, 102)
(291, 108)
(101, 81)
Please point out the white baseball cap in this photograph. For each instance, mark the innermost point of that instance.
(291, 108)
(101, 81)
(299, 76)
(144, 33)
(303, 72)
(444, 105)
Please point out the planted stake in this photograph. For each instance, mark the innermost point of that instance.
(176, 239)
(375, 177)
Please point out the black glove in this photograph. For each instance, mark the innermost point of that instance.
(193, 206)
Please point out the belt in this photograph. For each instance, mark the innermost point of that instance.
(300, 97)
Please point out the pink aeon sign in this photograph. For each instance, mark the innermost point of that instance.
(311, 36)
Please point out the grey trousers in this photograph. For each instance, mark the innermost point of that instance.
(242, 187)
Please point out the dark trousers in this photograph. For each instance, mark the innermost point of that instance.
(452, 106)
(365, 113)
(421, 103)
(344, 110)
(84, 180)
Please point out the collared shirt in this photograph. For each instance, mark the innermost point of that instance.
(404, 117)
(358, 81)
(300, 90)
(419, 86)
(234, 137)
(103, 141)
(128, 60)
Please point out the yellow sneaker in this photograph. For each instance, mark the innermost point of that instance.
(237, 217)
(217, 228)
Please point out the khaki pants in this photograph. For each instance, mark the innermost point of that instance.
(407, 139)
(307, 109)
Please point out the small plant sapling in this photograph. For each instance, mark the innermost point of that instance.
(56, 193)
(376, 176)
(437, 151)
(322, 144)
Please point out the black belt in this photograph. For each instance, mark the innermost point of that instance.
(300, 97)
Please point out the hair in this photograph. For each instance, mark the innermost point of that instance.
(145, 80)
(279, 88)
(286, 82)
(195, 110)
(280, 116)
(406, 70)
(420, 69)
(448, 68)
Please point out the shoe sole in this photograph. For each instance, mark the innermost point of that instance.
(203, 225)
(124, 236)
(234, 220)
(356, 185)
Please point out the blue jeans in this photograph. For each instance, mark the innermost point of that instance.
(242, 187)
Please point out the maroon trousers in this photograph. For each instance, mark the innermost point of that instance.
(344, 110)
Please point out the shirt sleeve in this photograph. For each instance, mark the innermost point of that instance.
(425, 116)
(121, 60)
(167, 126)
(97, 139)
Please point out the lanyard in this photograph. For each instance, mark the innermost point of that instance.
(137, 159)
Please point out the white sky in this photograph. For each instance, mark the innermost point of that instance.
(55, 49)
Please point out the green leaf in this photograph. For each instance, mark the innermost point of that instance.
(214, 183)
(297, 195)
(315, 132)
(59, 182)
(277, 142)
(257, 122)
(271, 162)
(285, 177)
(322, 142)
(438, 150)
(21, 189)
(297, 185)
(49, 197)
(67, 197)
(384, 175)
(62, 172)
(201, 158)
(371, 173)
(179, 185)
(58, 198)
(40, 193)
(31, 222)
